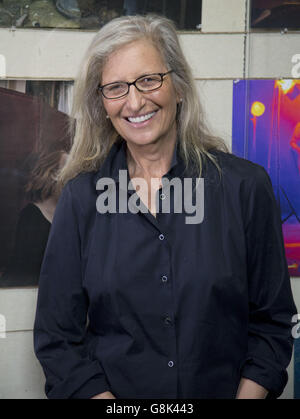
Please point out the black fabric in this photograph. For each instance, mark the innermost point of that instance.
(174, 310)
(30, 243)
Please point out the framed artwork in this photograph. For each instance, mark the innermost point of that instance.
(93, 14)
(275, 14)
(266, 130)
(34, 145)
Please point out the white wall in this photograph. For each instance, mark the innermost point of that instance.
(223, 52)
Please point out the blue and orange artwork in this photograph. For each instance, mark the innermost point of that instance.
(266, 130)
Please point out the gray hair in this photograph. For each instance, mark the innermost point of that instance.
(94, 133)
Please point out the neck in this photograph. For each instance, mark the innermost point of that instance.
(150, 161)
(47, 208)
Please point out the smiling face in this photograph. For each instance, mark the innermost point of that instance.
(141, 118)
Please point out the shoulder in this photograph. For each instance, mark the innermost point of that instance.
(240, 174)
(238, 167)
(82, 183)
(83, 186)
(31, 213)
(244, 180)
(31, 223)
(29, 210)
(79, 194)
(250, 184)
(85, 183)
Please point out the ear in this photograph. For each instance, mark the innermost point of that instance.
(179, 99)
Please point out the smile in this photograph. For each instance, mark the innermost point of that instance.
(140, 119)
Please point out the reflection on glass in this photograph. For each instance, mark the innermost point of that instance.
(274, 14)
(93, 14)
(35, 218)
(34, 144)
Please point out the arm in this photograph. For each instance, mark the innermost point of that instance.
(105, 395)
(271, 304)
(61, 317)
(249, 389)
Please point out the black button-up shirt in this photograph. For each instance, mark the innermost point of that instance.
(150, 307)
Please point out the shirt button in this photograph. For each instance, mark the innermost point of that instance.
(168, 320)
(161, 237)
(164, 278)
(171, 364)
(162, 196)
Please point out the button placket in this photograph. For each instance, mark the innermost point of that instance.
(167, 320)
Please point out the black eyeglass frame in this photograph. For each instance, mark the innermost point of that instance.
(162, 75)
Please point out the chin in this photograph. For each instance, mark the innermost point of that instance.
(141, 141)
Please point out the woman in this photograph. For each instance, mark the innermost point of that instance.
(175, 309)
(41, 193)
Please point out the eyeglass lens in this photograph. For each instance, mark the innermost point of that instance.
(145, 83)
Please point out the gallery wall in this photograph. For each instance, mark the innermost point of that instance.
(222, 53)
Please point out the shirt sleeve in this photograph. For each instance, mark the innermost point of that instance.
(61, 315)
(271, 304)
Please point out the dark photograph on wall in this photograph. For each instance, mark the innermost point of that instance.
(275, 14)
(34, 146)
(93, 14)
(266, 130)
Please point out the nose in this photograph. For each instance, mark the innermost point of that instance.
(135, 99)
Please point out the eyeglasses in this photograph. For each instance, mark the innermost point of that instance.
(145, 83)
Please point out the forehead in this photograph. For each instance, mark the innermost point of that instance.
(131, 61)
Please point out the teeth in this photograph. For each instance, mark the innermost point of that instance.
(141, 118)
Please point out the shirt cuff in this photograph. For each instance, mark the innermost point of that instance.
(94, 386)
(266, 375)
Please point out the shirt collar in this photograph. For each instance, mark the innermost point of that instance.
(117, 160)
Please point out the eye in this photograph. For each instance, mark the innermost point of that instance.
(115, 87)
(149, 81)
